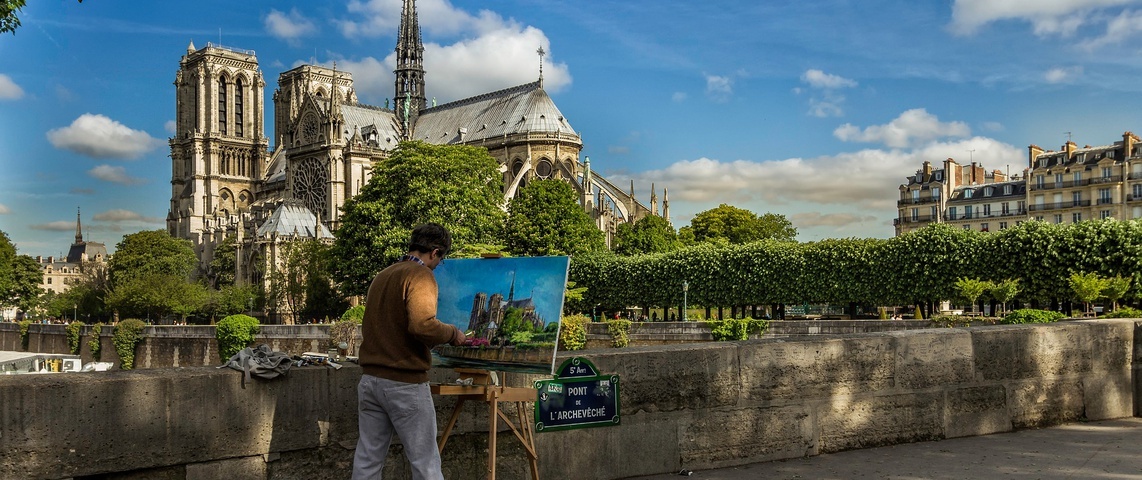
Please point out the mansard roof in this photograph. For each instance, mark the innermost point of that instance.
(292, 218)
(86, 252)
(1086, 156)
(522, 109)
(979, 192)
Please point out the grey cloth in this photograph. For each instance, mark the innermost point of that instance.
(259, 362)
(385, 407)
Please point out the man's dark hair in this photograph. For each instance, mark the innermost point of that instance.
(429, 237)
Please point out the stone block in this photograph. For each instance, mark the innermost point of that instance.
(978, 410)
(672, 377)
(1014, 352)
(1111, 343)
(1108, 395)
(643, 444)
(816, 368)
(720, 438)
(933, 358)
(242, 467)
(1043, 402)
(845, 423)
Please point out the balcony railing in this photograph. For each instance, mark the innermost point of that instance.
(1067, 184)
(1135, 175)
(974, 215)
(1133, 198)
(1059, 205)
(1105, 201)
(1110, 179)
(916, 219)
(916, 201)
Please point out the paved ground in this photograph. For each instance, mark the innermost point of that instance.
(1109, 449)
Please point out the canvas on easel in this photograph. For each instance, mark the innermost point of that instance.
(510, 307)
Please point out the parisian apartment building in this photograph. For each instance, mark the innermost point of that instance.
(1068, 185)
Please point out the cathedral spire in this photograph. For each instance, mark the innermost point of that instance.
(511, 290)
(665, 204)
(410, 66)
(653, 200)
(78, 231)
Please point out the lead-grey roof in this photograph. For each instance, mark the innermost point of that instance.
(521, 109)
(290, 218)
(365, 118)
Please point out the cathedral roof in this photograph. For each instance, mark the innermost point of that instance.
(366, 119)
(86, 252)
(291, 218)
(521, 109)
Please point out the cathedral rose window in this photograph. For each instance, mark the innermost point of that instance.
(309, 184)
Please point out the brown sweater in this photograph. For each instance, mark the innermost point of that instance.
(400, 325)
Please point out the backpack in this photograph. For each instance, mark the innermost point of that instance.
(259, 362)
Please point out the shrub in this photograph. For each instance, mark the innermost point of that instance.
(1030, 315)
(520, 337)
(1124, 312)
(73, 336)
(96, 342)
(235, 333)
(354, 314)
(736, 329)
(918, 314)
(24, 324)
(126, 337)
(619, 331)
(573, 332)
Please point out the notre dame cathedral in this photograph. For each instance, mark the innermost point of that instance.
(226, 181)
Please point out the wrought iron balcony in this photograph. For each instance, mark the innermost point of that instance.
(1059, 205)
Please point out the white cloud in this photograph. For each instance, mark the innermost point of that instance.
(719, 88)
(1062, 75)
(4, 210)
(56, 226)
(1127, 24)
(678, 97)
(492, 53)
(912, 128)
(101, 137)
(818, 79)
(170, 126)
(289, 27)
(8, 89)
(1047, 17)
(112, 174)
(120, 216)
(817, 219)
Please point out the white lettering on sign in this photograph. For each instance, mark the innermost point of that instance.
(578, 370)
(577, 390)
(578, 414)
(555, 387)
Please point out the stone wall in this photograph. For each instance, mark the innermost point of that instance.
(689, 406)
(665, 333)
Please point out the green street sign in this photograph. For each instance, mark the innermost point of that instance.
(578, 397)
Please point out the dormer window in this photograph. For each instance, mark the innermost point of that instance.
(967, 193)
(988, 191)
(1007, 189)
(939, 176)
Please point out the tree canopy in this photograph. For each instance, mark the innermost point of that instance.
(546, 219)
(149, 276)
(457, 186)
(650, 234)
(20, 277)
(730, 224)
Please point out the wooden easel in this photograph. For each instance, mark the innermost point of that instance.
(483, 389)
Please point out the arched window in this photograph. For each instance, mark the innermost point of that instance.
(238, 108)
(222, 106)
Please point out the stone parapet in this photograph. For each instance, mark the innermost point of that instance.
(693, 406)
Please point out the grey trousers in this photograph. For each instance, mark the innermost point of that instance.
(385, 407)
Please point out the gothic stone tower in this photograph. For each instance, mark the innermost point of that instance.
(410, 98)
(218, 152)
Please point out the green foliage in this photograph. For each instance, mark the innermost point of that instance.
(1030, 315)
(354, 314)
(620, 332)
(1088, 287)
(223, 266)
(73, 337)
(1116, 288)
(9, 21)
(156, 295)
(235, 333)
(545, 218)
(521, 337)
(650, 234)
(573, 332)
(512, 323)
(1124, 312)
(302, 286)
(736, 328)
(126, 338)
(457, 186)
(918, 314)
(24, 326)
(1005, 291)
(96, 342)
(151, 253)
(26, 279)
(230, 300)
(883, 313)
(970, 289)
(734, 225)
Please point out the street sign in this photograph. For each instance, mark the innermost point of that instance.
(578, 397)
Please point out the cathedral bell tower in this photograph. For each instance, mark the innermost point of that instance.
(218, 151)
(410, 98)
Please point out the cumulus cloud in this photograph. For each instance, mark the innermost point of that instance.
(912, 128)
(56, 226)
(4, 210)
(8, 89)
(170, 126)
(719, 88)
(289, 27)
(101, 137)
(1127, 24)
(825, 101)
(1047, 17)
(491, 52)
(112, 174)
(818, 219)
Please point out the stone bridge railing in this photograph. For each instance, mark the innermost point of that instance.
(689, 406)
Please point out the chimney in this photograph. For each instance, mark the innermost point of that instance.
(1128, 141)
(927, 170)
(1069, 147)
(1032, 152)
(999, 176)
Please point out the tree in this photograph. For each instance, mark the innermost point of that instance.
(26, 279)
(223, 266)
(734, 225)
(457, 186)
(650, 234)
(301, 284)
(9, 21)
(1088, 287)
(150, 276)
(546, 219)
(1115, 289)
(1005, 291)
(971, 289)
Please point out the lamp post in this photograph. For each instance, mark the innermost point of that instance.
(685, 288)
(74, 310)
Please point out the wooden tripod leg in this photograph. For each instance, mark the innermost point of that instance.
(451, 423)
(493, 416)
(529, 442)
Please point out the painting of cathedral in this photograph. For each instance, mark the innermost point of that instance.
(488, 313)
(227, 181)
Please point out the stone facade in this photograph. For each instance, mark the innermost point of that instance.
(60, 273)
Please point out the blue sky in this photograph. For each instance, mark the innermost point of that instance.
(816, 110)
